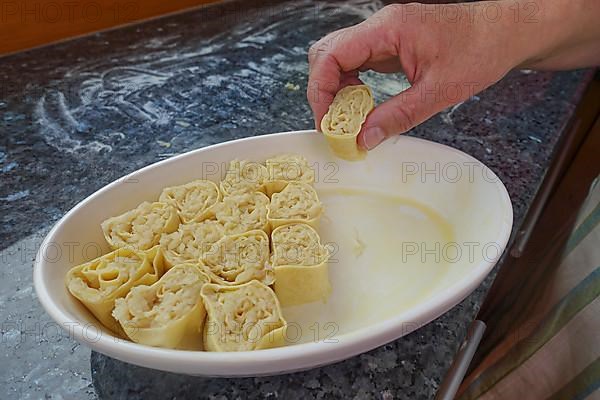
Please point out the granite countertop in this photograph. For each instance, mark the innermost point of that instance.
(77, 115)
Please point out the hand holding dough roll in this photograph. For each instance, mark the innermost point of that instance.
(194, 201)
(300, 262)
(189, 241)
(343, 121)
(170, 313)
(244, 177)
(243, 212)
(287, 168)
(298, 202)
(242, 318)
(142, 227)
(238, 259)
(100, 282)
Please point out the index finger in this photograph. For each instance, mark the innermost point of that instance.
(331, 59)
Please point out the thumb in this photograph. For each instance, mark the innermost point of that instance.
(398, 115)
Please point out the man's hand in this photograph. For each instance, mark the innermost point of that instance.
(448, 52)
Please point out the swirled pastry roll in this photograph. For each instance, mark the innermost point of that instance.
(244, 177)
(99, 283)
(287, 168)
(141, 227)
(243, 212)
(238, 259)
(194, 201)
(300, 263)
(344, 119)
(170, 313)
(242, 318)
(189, 241)
(298, 202)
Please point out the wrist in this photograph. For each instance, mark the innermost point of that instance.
(538, 29)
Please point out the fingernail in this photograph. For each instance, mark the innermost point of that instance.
(372, 137)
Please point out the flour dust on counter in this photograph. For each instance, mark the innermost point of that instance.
(175, 86)
(38, 357)
(109, 103)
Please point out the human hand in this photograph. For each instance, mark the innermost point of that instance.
(449, 52)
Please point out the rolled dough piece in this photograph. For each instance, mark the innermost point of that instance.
(194, 200)
(170, 313)
(344, 119)
(189, 241)
(298, 202)
(100, 282)
(244, 177)
(300, 263)
(238, 259)
(243, 212)
(242, 318)
(286, 168)
(142, 227)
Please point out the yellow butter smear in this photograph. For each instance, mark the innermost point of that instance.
(390, 200)
(385, 258)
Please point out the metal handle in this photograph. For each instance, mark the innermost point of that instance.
(565, 148)
(461, 362)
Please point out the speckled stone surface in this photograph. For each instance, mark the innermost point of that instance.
(37, 358)
(75, 116)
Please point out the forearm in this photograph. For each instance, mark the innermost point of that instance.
(556, 34)
(443, 46)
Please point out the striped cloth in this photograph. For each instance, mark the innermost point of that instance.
(552, 314)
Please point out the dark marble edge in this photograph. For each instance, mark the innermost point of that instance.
(235, 10)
